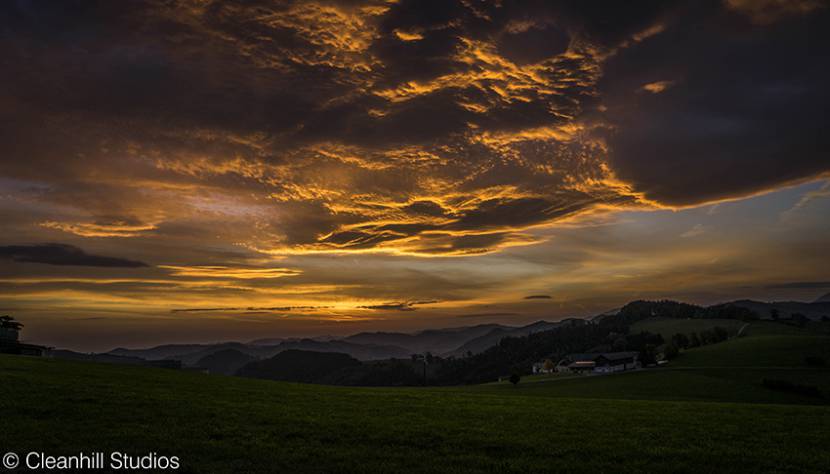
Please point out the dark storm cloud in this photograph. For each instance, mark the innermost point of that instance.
(800, 285)
(62, 254)
(432, 128)
(735, 107)
(538, 297)
(487, 315)
(402, 306)
(249, 309)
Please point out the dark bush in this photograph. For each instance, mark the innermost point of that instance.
(787, 386)
(671, 351)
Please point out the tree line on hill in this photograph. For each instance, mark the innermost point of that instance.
(681, 341)
(517, 354)
(510, 355)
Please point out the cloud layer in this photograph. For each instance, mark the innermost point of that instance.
(61, 254)
(423, 128)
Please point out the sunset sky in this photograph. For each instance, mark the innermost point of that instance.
(203, 170)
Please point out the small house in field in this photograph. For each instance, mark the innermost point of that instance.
(599, 362)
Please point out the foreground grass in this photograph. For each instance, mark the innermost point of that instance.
(222, 424)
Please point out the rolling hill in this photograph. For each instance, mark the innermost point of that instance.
(225, 362)
(437, 341)
(299, 366)
(823, 299)
(493, 337)
(733, 371)
(815, 311)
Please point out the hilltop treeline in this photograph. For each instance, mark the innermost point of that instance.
(639, 310)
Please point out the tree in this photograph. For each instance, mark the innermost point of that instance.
(671, 351)
(800, 319)
(680, 340)
(514, 378)
(720, 334)
(548, 366)
(648, 355)
(694, 341)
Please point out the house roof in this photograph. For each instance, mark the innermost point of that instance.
(619, 355)
(593, 356)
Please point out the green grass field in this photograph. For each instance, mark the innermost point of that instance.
(704, 384)
(224, 424)
(684, 418)
(730, 371)
(764, 345)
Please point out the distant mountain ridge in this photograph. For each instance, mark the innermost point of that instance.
(362, 346)
(191, 354)
(225, 362)
(493, 337)
(438, 341)
(452, 342)
(823, 299)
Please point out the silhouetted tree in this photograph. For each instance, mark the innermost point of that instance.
(671, 351)
(514, 378)
(680, 340)
(719, 334)
(815, 361)
(648, 355)
(800, 319)
(694, 340)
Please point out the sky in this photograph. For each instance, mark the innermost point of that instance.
(203, 170)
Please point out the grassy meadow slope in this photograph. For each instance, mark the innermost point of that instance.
(765, 344)
(703, 384)
(732, 371)
(225, 424)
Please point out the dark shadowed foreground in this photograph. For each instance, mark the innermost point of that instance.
(223, 424)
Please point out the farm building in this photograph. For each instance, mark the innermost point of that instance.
(599, 362)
